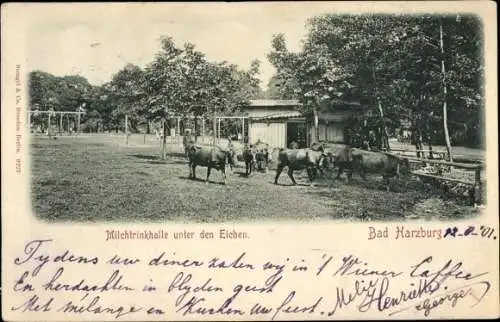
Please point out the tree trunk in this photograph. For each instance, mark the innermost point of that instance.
(431, 155)
(417, 139)
(385, 134)
(148, 127)
(214, 128)
(196, 128)
(164, 140)
(445, 108)
(316, 125)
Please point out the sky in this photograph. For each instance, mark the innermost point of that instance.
(97, 41)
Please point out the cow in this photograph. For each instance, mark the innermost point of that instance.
(387, 164)
(212, 157)
(299, 159)
(339, 156)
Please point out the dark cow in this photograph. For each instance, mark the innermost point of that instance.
(299, 159)
(212, 157)
(339, 156)
(386, 164)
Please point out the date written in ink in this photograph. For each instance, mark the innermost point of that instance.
(470, 231)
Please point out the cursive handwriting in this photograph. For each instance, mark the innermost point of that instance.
(181, 283)
(32, 253)
(353, 266)
(284, 307)
(235, 286)
(113, 283)
(422, 270)
(94, 306)
(195, 306)
(449, 296)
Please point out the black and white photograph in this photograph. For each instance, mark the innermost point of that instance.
(258, 161)
(315, 116)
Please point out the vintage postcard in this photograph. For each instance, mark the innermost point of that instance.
(249, 161)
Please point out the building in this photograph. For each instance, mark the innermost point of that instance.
(279, 123)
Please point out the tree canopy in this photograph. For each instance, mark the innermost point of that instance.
(392, 61)
(180, 81)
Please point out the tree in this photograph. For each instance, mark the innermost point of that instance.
(390, 62)
(125, 95)
(164, 85)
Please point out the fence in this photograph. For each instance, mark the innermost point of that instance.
(469, 174)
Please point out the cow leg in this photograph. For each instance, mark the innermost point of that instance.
(311, 174)
(223, 170)
(208, 173)
(247, 169)
(339, 172)
(386, 182)
(279, 169)
(194, 171)
(362, 174)
(349, 176)
(290, 174)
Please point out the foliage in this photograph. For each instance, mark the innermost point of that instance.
(391, 59)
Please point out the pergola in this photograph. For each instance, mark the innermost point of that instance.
(61, 115)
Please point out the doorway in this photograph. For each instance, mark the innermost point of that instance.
(296, 132)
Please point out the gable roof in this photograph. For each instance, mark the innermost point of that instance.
(277, 103)
(271, 103)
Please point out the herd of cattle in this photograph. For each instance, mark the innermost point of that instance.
(320, 157)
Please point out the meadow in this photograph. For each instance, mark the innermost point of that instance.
(99, 178)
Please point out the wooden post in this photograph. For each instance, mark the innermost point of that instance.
(445, 109)
(126, 129)
(242, 129)
(478, 175)
(478, 194)
(214, 127)
(164, 139)
(248, 134)
(48, 129)
(144, 137)
(218, 130)
(178, 126)
(203, 128)
(78, 125)
(60, 123)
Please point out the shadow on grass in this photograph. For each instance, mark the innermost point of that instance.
(145, 156)
(201, 180)
(176, 154)
(241, 174)
(291, 184)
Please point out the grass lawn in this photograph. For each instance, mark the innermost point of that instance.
(98, 178)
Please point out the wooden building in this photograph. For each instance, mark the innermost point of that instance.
(279, 123)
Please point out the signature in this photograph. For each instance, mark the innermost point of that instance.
(376, 294)
(450, 297)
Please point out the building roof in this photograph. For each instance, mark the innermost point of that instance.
(278, 103)
(274, 103)
(284, 115)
